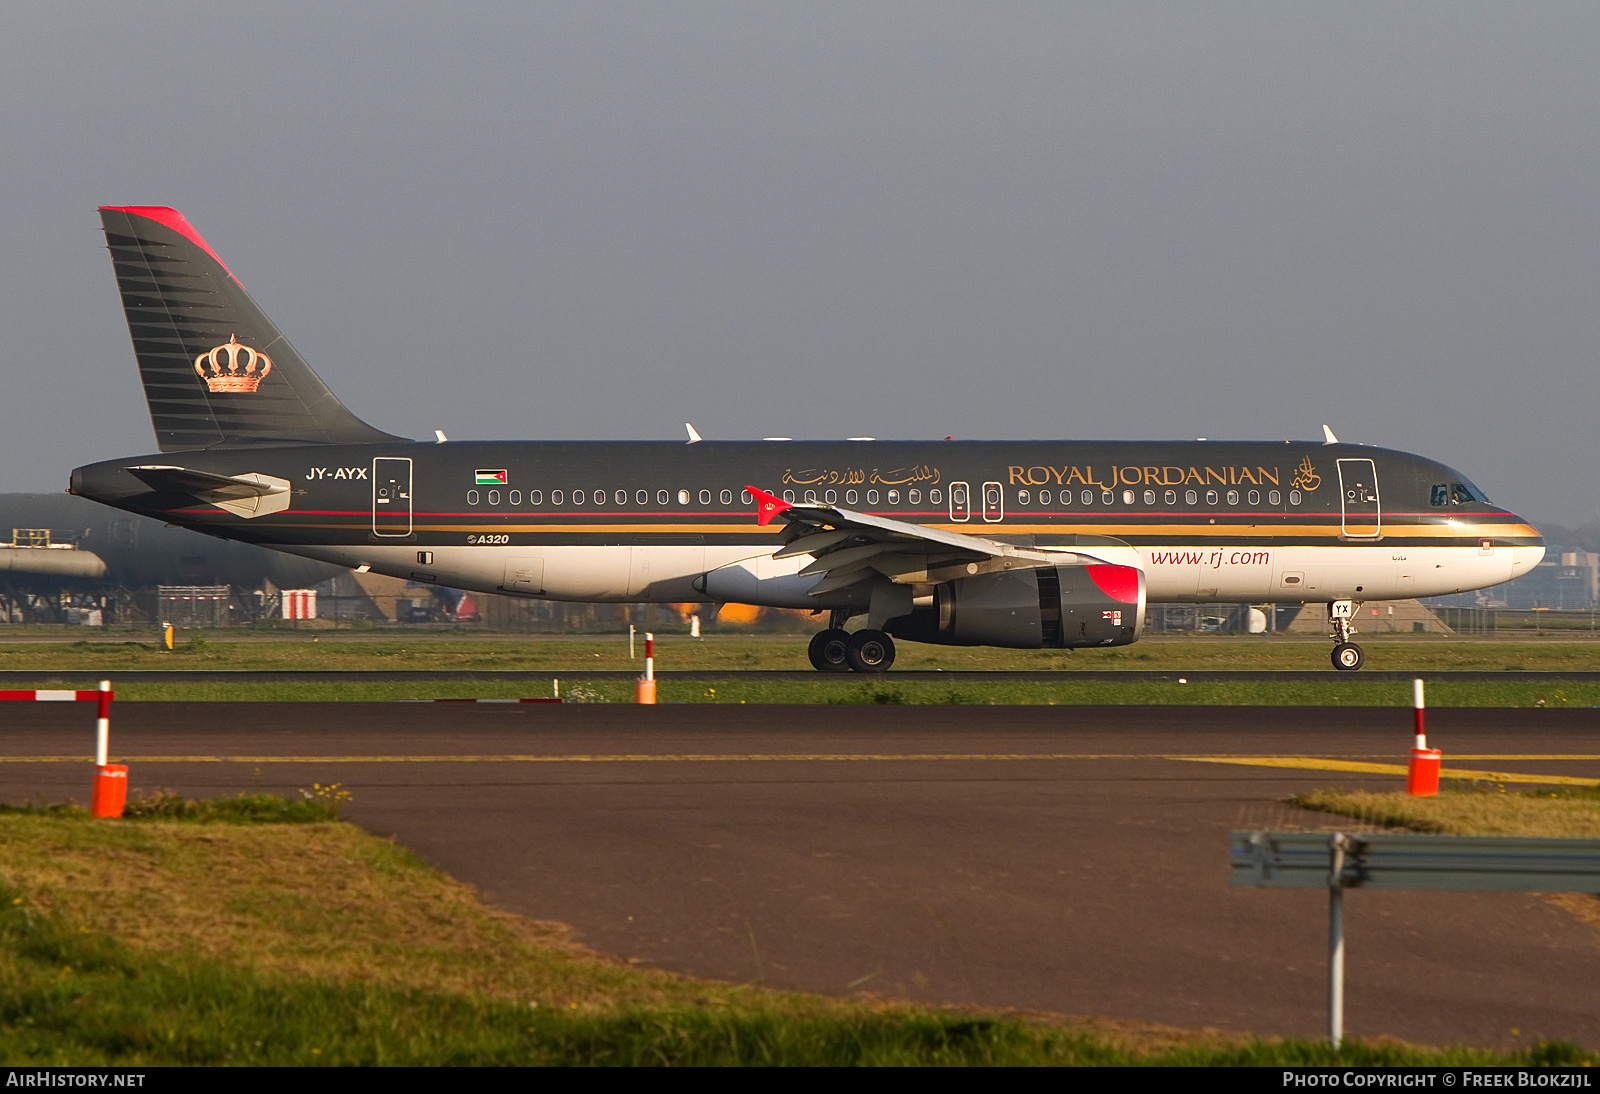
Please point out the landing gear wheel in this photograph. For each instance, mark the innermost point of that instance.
(1347, 657)
(827, 650)
(869, 651)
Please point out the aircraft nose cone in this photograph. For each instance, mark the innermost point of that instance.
(1525, 556)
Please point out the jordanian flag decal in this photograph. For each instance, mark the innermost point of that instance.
(492, 476)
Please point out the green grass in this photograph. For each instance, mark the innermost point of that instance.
(887, 689)
(1471, 809)
(558, 653)
(162, 942)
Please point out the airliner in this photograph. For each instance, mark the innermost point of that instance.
(1014, 544)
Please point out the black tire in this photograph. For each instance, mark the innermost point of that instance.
(869, 651)
(827, 651)
(1347, 657)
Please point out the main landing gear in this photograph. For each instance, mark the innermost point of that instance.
(1347, 656)
(837, 650)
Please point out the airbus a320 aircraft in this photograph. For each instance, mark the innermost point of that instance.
(1020, 544)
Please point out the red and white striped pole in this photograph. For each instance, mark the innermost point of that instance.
(110, 780)
(1422, 775)
(644, 691)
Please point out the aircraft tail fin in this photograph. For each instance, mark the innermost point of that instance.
(216, 371)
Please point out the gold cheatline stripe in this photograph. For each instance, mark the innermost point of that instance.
(1307, 763)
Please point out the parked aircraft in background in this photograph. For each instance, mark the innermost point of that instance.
(1020, 544)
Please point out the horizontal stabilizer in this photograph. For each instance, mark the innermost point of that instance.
(248, 495)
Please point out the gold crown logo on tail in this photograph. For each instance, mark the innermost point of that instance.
(233, 367)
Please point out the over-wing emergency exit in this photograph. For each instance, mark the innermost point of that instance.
(1020, 544)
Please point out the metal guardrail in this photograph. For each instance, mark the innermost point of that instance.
(1395, 860)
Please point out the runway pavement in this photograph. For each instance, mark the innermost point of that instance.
(1071, 859)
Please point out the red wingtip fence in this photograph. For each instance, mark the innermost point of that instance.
(110, 780)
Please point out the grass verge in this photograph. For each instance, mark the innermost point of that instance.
(1337, 691)
(558, 653)
(167, 941)
(1470, 809)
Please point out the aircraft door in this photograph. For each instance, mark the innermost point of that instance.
(994, 502)
(391, 496)
(1358, 495)
(960, 502)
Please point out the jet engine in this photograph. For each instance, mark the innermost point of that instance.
(1060, 607)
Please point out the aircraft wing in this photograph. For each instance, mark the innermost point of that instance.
(850, 547)
(249, 495)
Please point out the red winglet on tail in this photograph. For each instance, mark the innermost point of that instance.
(767, 506)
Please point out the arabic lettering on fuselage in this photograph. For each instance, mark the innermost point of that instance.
(899, 476)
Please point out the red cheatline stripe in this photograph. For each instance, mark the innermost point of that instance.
(54, 696)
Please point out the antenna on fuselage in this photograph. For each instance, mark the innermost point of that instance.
(1328, 436)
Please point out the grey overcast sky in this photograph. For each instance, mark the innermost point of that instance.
(825, 220)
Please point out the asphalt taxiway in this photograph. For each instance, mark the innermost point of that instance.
(1071, 859)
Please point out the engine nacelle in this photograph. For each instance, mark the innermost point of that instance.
(1061, 607)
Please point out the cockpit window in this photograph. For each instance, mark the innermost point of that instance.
(1440, 494)
(1464, 493)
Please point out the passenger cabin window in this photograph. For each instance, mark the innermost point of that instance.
(516, 497)
(1294, 497)
(727, 497)
(894, 497)
(1170, 497)
(788, 496)
(1211, 497)
(851, 497)
(1233, 497)
(744, 497)
(1127, 497)
(1149, 497)
(577, 497)
(1255, 497)
(1190, 497)
(1273, 497)
(642, 497)
(683, 496)
(663, 498)
(1044, 497)
(1087, 497)
(555, 497)
(872, 497)
(494, 497)
(914, 496)
(472, 497)
(1022, 497)
(935, 496)
(535, 497)
(1107, 497)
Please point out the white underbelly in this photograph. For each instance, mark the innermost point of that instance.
(1323, 572)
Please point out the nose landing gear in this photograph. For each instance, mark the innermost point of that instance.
(1347, 656)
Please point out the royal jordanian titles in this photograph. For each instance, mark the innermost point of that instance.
(1020, 544)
